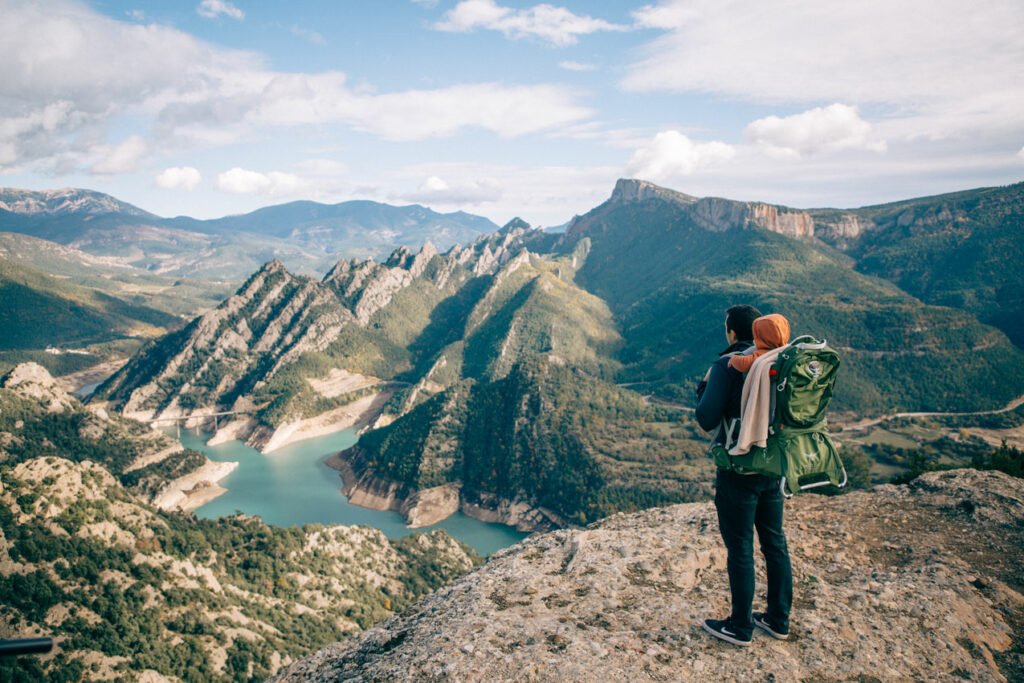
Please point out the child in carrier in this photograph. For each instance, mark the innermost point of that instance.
(770, 332)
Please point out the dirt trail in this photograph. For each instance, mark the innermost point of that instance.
(864, 424)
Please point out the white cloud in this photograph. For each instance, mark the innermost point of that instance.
(178, 177)
(556, 25)
(576, 66)
(666, 16)
(214, 8)
(939, 68)
(1021, 153)
(65, 82)
(272, 184)
(435, 190)
(292, 99)
(136, 14)
(822, 129)
(65, 79)
(122, 158)
(874, 50)
(670, 154)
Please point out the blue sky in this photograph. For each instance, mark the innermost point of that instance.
(210, 107)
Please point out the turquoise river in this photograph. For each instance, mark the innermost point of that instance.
(293, 486)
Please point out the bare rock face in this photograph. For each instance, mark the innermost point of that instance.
(845, 227)
(918, 582)
(719, 215)
(33, 381)
(29, 374)
(490, 508)
(632, 190)
(429, 506)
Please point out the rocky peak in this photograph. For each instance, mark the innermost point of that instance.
(28, 373)
(399, 258)
(33, 381)
(634, 190)
(904, 583)
(272, 266)
(516, 224)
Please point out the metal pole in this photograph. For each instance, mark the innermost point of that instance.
(25, 646)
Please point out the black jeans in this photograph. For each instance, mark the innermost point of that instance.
(746, 501)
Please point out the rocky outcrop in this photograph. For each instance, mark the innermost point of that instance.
(488, 507)
(196, 488)
(365, 488)
(840, 229)
(423, 507)
(711, 213)
(34, 382)
(719, 215)
(178, 488)
(629, 190)
(224, 358)
(360, 411)
(429, 506)
(918, 582)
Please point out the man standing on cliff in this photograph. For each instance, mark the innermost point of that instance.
(744, 501)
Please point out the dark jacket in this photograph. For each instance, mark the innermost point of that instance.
(719, 398)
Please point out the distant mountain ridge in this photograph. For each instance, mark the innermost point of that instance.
(35, 203)
(307, 236)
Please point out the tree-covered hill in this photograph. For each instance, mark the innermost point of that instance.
(669, 278)
(38, 310)
(125, 588)
(962, 250)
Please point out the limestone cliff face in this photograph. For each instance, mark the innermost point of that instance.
(273, 318)
(719, 215)
(710, 213)
(917, 582)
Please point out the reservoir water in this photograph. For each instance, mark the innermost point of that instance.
(292, 486)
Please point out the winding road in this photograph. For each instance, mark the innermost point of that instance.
(864, 424)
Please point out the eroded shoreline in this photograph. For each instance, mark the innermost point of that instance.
(424, 507)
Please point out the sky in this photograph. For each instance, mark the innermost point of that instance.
(214, 107)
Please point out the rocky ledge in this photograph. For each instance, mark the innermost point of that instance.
(916, 582)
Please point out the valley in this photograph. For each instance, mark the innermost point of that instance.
(480, 385)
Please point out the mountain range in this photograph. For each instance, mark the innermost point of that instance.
(514, 369)
(308, 236)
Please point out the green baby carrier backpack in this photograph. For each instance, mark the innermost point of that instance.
(798, 450)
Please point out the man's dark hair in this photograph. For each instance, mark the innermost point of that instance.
(740, 319)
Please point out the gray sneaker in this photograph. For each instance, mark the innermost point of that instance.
(761, 621)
